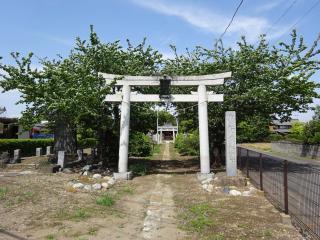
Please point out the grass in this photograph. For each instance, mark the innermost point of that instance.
(92, 231)
(3, 192)
(106, 200)
(80, 214)
(199, 216)
(50, 237)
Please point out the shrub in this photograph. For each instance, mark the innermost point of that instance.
(311, 132)
(87, 143)
(28, 146)
(187, 144)
(254, 129)
(275, 137)
(140, 145)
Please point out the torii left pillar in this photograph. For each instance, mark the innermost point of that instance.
(124, 135)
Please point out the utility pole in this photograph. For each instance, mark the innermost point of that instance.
(157, 125)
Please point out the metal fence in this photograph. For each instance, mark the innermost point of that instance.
(290, 186)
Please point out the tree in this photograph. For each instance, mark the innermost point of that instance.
(70, 93)
(267, 81)
(60, 92)
(316, 115)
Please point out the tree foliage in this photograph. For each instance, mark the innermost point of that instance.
(267, 81)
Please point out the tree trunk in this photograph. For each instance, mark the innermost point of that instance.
(65, 137)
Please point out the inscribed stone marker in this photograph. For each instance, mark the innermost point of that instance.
(231, 144)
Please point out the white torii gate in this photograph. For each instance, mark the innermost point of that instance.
(201, 96)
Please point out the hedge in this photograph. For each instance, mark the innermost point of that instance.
(28, 146)
(140, 145)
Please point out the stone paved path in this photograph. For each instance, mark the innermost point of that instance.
(160, 218)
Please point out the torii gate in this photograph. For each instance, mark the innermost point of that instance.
(201, 96)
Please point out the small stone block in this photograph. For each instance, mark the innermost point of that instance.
(48, 150)
(123, 176)
(61, 159)
(80, 154)
(204, 176)
(38, 152)
(17, 156)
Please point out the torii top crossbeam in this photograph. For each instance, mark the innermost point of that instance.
(206, 80)
(211, 79)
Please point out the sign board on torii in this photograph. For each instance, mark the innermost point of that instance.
(201, 96)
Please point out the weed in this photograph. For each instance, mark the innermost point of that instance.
(200, 222)
(267, 233)
(106, 200)
(50, 237)
(127, 190)
(92, 231)
(199, 216)
(80, 214)
(3, 192)
(218, 237)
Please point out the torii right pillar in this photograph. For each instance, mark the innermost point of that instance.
(231, 143)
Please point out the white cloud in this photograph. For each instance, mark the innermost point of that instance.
(210, 21)
(271, 4)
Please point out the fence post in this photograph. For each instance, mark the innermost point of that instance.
(239, 157)
(261, 172)
(285, 186)
(247, 163)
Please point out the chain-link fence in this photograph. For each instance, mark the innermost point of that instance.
(290, 186)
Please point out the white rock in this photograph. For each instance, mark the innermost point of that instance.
(78, 185)
(105, 185)
(96, 186)
(252, 189)
(85, 173)
(111, 181)
(246, 193)
(88, 187)
(235, 192)
(96, 176)
(210, 188)
(206, 181)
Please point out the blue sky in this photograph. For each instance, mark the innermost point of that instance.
(49, 27)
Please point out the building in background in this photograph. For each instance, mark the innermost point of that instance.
(281, 127)
(9, 127)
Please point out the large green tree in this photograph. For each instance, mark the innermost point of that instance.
(268, 81)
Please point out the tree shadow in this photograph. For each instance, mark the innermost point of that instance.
(12, 235)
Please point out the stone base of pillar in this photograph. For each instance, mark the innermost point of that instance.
(204, 176)
(122, 176)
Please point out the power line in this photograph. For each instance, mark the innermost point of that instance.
(281, 16)
(304, 15)
(234, 14)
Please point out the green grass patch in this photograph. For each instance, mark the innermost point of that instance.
(199, 217)
(80, 214)
(50, 237)
(106, 200)
(3, 192)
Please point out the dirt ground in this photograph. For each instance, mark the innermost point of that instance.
(167, 203)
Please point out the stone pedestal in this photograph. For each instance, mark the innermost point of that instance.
(122, 176)
(231, 143)
(38, 152)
